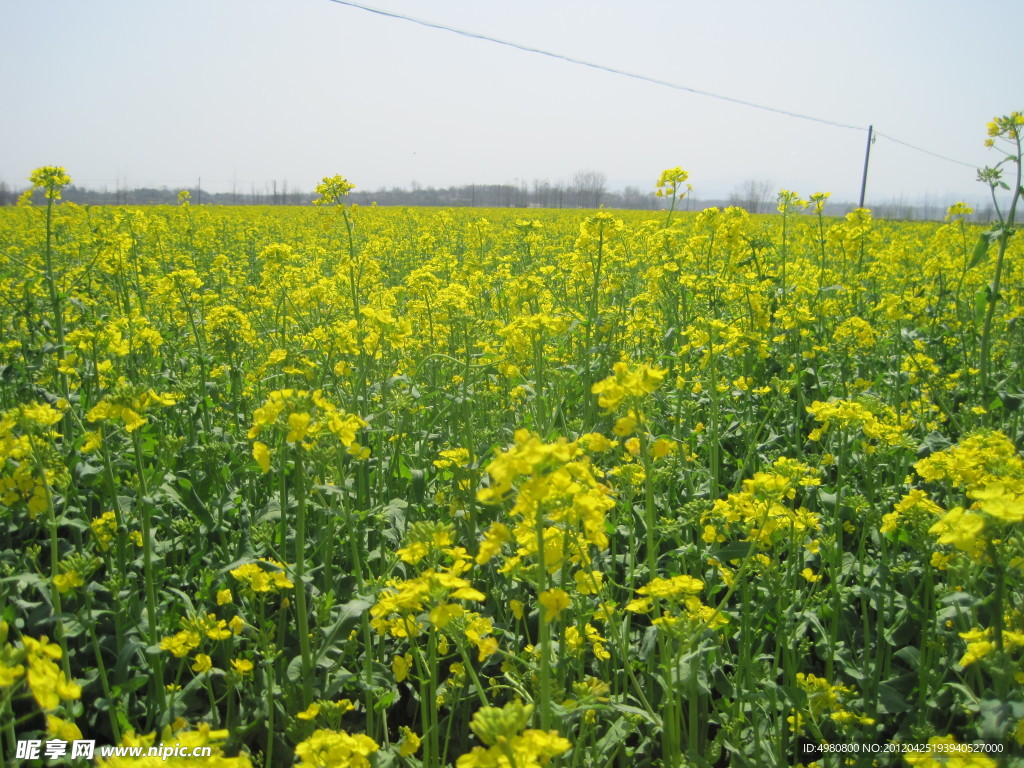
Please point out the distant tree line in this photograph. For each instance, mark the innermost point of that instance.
(587, 189)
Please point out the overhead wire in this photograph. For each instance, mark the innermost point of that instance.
(633, 75)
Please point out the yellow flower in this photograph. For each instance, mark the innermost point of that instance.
(410, 742)
(400, 667)
(516, 607)
(242, 666)
(67, 581)
(65, 730)
(261, 453)
(554, 602)
(298, 427)
(624, 426)
(335, 749)
(810, 576)
(203, 663)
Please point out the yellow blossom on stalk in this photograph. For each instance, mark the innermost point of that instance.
(987, 469)
(263, 576)
(817, 201)
(190, 741)
(400, 667)
(194, 629)
(810, 576)
(455, 457)
(762, 509)
(554, 601)
(588, 582)
(424, 537)
(494, 538)
(51, 179)
(915, 506)
(670, 183)
(65, 730)
(261, 453)
(876, 422)
(332, 189)
(68, 581)
(335, 749)
(595, 442)
(128, 405)
(242, 666)
(635, 382)
(507, 743)
(557, 482)
(998, 501)
(401, 605)
(790, 200)
(302, 418)
(104, 529)
(855, 333)
(625, 425)
(943, 752)
(31, 467)
(410, 742)
(825, 700)
(577, 642)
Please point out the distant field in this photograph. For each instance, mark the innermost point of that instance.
(400, 486)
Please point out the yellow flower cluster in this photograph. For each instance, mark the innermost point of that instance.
(636, 382)
(29, 463)
(194, 630)
(185, 739)
(263, 576)
(335, 749)
(875, 421)
(34, 661)
(127, 405)
(678, 604)
(509, 744)
(986, 468)
(762, 509)
(557, 491)
(825, 700)
(303, 417)
(407, 608)
(947, 752)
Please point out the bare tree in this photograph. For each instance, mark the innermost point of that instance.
(588, 187)
(752, 195)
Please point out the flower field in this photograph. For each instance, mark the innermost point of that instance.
(355, 486)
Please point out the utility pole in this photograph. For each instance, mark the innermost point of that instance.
(867, 157)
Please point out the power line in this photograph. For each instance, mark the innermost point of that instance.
(927, 152)
(592, 65)
(635, 76)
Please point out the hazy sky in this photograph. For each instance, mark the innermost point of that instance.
(147, 93)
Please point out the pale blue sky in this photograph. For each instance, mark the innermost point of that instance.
(137, 92)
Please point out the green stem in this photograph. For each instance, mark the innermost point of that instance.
(300, 579)
(149, 576)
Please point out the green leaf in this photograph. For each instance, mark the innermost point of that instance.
(351, 613)
(980, 249)
(891, 701)
(980, 306)
(735, 550)
(614, 736)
